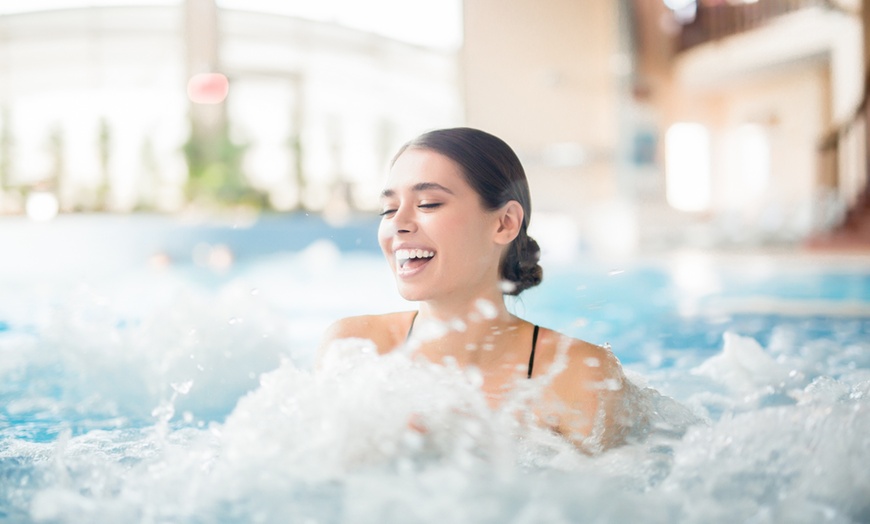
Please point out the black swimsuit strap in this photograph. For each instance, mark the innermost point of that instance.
(532, 356)
(411, 327)
(534, 341)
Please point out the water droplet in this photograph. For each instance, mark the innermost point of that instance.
(475, 377)
(486, 308)
(182, 388)
(592, 362)
(164, 412)
(612, 384)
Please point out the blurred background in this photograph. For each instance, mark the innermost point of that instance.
(643, 124)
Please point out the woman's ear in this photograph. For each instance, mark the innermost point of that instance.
(510, 220)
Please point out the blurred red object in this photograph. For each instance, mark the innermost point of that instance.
(208, 88)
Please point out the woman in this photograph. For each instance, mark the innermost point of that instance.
(455, 211)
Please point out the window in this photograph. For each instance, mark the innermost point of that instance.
(687, 167)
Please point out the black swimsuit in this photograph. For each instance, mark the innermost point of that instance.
(531, 357)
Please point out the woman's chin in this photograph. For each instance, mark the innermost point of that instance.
(413, 295)
(413, 292)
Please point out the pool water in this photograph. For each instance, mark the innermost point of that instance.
(162, 373)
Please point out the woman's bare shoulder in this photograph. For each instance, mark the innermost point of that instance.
(578, 358)
(386, 330)
(588, 385)
(352, 327)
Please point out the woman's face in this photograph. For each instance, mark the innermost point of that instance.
(434, 231)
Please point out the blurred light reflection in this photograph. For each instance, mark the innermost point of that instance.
(208, 88)
(41, 206)
(687, 166)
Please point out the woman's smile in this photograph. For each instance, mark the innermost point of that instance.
(411, 261)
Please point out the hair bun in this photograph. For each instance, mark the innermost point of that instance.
(525, 271)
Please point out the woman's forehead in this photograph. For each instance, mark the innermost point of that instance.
(416, 167)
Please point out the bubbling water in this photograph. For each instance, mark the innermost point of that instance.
(152, 400)
(388, 439)
(367, 438)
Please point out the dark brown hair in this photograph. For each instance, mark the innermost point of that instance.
(495, 173)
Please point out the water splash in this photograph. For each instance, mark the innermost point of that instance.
(760, 431)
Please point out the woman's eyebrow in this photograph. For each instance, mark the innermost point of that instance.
(422, 186)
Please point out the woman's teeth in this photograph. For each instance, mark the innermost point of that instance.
(403, 255)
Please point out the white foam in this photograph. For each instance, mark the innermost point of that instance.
(744, 367)
(243, 430)
(386, 439)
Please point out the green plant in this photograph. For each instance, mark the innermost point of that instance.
(215, 174)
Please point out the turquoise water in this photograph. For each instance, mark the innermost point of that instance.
(160, 372)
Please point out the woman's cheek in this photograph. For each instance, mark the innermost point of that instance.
(384, 240)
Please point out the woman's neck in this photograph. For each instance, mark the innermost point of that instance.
(479, 332)
(472, 318)
(475, 307)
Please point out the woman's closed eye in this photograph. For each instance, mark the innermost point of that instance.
(430, 205)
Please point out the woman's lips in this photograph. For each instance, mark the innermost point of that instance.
(415, 262)
(412, 261)
(405, 254)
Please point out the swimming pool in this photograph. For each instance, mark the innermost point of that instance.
(158, 371)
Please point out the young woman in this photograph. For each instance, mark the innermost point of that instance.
(455, 210)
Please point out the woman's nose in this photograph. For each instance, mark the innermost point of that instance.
(404, 220)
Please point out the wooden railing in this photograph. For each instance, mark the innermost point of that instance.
(714, 21)
(844, 164)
